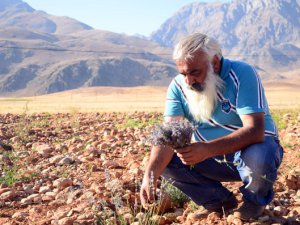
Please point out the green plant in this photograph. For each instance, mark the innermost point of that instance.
(177, 196)
(138, 123)
(116, 216)
(10, 172)
(40, 123)
(282, 116)
(9, 176)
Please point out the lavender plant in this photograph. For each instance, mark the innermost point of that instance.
(175, 134)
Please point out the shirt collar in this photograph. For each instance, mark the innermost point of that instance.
(225, 67)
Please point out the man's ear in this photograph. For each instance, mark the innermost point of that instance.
(216, 62)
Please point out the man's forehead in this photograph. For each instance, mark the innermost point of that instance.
(197, 61)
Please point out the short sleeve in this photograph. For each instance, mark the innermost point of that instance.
(250, 96)
(173, 105)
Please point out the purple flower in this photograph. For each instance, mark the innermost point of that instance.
(175, 134)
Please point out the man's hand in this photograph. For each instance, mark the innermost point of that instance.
(147, 192)
(194, 153)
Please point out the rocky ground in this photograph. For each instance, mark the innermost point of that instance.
(87, 169)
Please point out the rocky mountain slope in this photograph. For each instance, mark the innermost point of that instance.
(40, 54)
(265, 33)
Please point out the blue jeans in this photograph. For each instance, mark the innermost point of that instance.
(256, 166)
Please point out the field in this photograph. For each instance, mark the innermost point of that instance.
(114, 99)
(78, 157)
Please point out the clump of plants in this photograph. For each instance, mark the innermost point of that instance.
(175, 134)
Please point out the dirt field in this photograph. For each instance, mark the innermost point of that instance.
(114, 99)
(81, 162)
(86, 168)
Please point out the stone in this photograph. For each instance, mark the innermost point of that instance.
(263, 218)
(8, 195)
(66, 161)
(55, 159)
(44, 150)
(66, 221)
(20, 216)
(62, 183)
(110, 164)
(160, 220)
(44, 189)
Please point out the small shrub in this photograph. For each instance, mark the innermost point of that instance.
(177, 196)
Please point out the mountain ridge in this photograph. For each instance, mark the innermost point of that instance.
(58, 53)
(42, 53)
(264, 33)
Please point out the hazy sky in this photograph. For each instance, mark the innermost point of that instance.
(121, 16)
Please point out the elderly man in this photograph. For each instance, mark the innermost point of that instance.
(235, 140)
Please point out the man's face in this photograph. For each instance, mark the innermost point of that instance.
(195, 71)
(203, 83)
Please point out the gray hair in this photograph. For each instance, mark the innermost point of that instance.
(187, 46)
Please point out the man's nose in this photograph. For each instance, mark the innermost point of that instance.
(189, 80)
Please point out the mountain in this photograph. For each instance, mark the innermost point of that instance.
(18, 14)
(41, 53)
(264, 33)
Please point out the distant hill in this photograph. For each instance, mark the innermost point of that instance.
(264, 33)
(40, 54)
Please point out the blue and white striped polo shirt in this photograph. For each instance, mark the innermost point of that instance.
(243, 94)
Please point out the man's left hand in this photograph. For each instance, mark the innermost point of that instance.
(194, 153)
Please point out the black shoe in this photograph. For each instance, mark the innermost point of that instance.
(227, 204)
(249, 210)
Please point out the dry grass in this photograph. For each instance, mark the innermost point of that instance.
(100, 99)
(120, 99)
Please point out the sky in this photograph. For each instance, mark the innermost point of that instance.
(121, 16)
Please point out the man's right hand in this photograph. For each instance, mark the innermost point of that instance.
(160, 157)
(147, 192)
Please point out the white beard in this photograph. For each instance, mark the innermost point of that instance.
(202, 104)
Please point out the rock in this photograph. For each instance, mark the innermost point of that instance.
(55, 159)
(8, 195)
(110, 164)
(278, 211)
(140, 216)
(20, 216)
(237, 221)
(44, 150)
(66, 161)
(230, 219)
(103, 146)
(26, 201)
(172, 216)
(28, 189)
(62, 183)
(214, 216)
(85, 216)
(60, 214)
(293, 180)
(128, 217)
(44, 189)
(160, 220)
(263, 218)
(66, 221)
(2, 190)
(6, 160)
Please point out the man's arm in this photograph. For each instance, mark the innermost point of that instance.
(160, 157)
(251, 132)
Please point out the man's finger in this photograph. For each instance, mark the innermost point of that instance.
(143, 196)
(182, 150)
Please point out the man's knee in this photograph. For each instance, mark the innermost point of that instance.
(261, 159)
